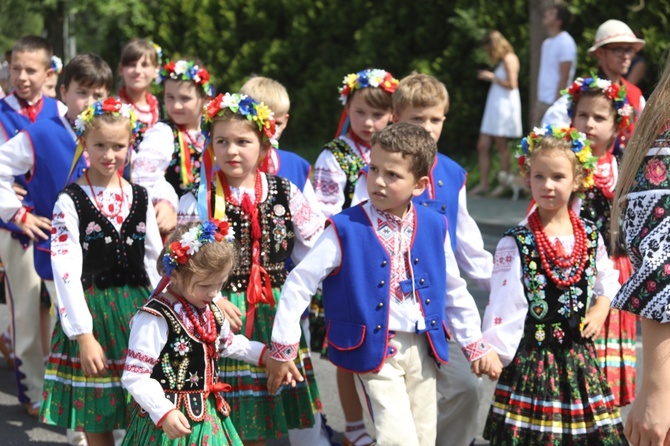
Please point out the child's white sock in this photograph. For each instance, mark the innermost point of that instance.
(356, 433)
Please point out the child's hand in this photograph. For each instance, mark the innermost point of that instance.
(489, 364)
(34, 226)
(93, 361)
(281, 372)
(166, 217)
(175, 425)
(19, 191)
(595, 317)
(232, 314)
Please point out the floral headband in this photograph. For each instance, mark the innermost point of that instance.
(180, 251)
(242, 104)
(579, 145)
(367, 78)
(184, 70)
(159, 52)
(614, 92)
(112, 106)
(56, 65)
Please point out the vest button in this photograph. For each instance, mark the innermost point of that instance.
(381, 283)
(425, 204)
(440, 183)
(380, 305)
(444, 207)
(378, 327)
(383, 262)
(416, 260)
(427, 301)
(422, 281)
(433, 323)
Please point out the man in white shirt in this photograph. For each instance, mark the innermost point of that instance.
(558, 60)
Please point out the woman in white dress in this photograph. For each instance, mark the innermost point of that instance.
(502, 115)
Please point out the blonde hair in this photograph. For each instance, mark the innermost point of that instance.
(550, 145)
(498, 46)
(211, 257)
(228, 115)
(268, 91)
(420, 90)
(654, 116)
(109, 118)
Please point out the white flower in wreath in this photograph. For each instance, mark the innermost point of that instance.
(180, 67)
(228, 101)
(191, 241)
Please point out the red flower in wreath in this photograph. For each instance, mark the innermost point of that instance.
(203, 75)
(111, 105)
(179, 252)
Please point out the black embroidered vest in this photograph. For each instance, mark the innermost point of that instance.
(554, 316)
(184, 370)
(172, 174)
(276, 239)
(110, 258)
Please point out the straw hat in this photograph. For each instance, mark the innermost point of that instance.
(615, 31)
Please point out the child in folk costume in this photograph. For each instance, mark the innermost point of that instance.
(170, 151)
(104, 245)
(176, 339)
(549, 298)
(600, 110)
(49, 86)
(368, 108)
(272, 222)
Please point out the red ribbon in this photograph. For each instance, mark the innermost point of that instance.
(216, 389)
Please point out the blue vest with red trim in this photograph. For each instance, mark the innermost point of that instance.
(357, 296)
(294, 167)
(11, 123)
(447, 178)
(54, 148)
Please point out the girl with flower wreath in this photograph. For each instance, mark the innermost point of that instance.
(138, 68)
(272, 221)
(49, 86)
(600, 110)
(170, 151)
(104, 246)
(550, 294)
(368, 108)
(176, 340)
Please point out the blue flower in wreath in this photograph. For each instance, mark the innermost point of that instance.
(247, 107)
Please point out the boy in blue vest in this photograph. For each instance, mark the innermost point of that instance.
(385, 290)
(423, 100)
(29, 69)
(44, 152)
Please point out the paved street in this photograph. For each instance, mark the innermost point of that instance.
(17, 428)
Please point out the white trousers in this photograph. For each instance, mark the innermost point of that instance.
(458, 394)
(401, 398)
(23, 296)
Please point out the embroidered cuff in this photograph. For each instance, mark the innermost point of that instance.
(283, 352)
(476, 349)
(20, 215)
(261, 363)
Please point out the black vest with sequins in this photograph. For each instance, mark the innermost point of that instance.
(110, 258)
(554, 315)
(172, 174)
(184, 369)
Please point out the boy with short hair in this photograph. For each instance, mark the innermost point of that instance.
(423, 100)
(44, 150)
(385, 293)
(29, 69)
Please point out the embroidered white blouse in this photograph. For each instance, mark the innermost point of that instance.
(330, 180)
(508, 306)
(148, 336)
(404, 312)
(67, 255)
(307, 223)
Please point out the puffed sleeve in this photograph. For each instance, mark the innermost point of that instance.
(239, 346)
(308, 224)
(152, 160)
(329, 182)
(66, 261)
(16, 158)
(607, 277)
(153, 244)
(188, 209)
(507, 308)
(148, 336)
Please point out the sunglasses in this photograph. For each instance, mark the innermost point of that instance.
(620, 51)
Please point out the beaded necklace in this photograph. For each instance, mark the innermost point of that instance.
(550, 256)
(207, 335)
(358, 142)
(603, 175)
(152, 103)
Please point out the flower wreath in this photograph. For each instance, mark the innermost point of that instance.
(112, 106)
(186, 70)
(180, 251)
(56, 65)
(371, 77)
(614, 92)
(254, 111)
(159, 52)
(579, 145)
